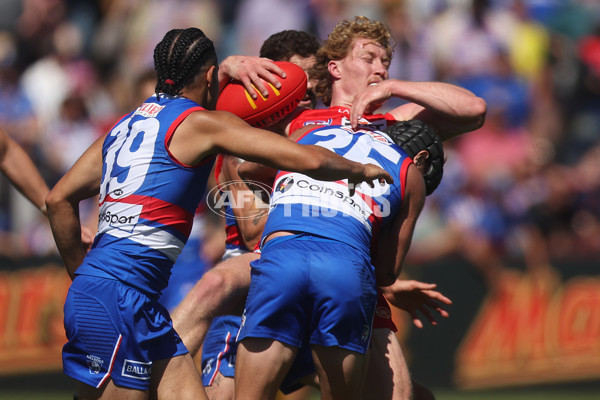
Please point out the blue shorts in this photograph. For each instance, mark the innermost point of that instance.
(310, 287)
(115, 331)
(220, 348)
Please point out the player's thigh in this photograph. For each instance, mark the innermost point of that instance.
(387, 372)
(260, 367)
(339, 383)
(177, 379)
(109, 391)
(222, 388)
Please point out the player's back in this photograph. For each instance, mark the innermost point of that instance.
(147, 198)
(302, 204)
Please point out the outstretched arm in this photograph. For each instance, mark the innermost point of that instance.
(82, 181)
(450, 109)
(208, 132)
(20, 170)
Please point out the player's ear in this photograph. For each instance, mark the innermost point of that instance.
(211, 75)
(334, 68)
(420, 159)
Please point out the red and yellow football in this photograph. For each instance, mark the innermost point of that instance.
(265, 111)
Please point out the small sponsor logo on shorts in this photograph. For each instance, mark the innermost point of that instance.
(94, 364)
(137, 369)
(208, 367)
(383, 312)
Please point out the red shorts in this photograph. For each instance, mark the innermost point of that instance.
(383, 314)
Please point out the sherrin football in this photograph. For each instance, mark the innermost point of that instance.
(265, 111)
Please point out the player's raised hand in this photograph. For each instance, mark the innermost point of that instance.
(368, 101)
(251, 71)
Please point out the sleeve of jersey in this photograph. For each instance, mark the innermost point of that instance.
(390, 118)
(406, 161)
(218, 168)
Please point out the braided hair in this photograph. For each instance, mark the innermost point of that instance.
(179, 57)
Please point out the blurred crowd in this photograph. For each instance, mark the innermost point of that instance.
(526, 186)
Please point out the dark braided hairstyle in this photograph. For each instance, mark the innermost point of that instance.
(179, 57)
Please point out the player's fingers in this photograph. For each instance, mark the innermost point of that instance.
(437, 296)
(271, 79)
(427, 313)
(258, 84)
(271, 68)
(416, 321)
(423, 285)
(249, 87)
(351, 188)
(356, 111)
(443, 312)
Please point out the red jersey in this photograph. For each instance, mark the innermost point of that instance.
(339, 116)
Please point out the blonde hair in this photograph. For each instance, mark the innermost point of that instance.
(339, 43)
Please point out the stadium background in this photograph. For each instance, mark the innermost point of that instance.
(512, 235)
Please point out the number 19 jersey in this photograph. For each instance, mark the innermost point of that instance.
(147, 198)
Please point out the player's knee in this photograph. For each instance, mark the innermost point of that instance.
(215, 286)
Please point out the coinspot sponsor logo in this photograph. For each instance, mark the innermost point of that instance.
(232, 195)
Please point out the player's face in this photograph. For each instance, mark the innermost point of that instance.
(367, 63)
(306, 63)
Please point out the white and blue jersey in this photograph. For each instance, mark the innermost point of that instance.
(115, 326)
(302, 204)
(147, 198)
(318, 285)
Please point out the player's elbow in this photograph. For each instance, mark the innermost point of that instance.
(53, 200)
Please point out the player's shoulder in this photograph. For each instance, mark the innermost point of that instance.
(206, 121)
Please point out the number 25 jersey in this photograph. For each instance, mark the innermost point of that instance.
(302, 204)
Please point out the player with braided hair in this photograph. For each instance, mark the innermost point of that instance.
(150, 171)
(214, 294)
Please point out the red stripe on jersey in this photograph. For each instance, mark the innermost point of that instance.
(218, 168)
(160, 211)
(404, 173)
(171, 131)
(233, 235)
